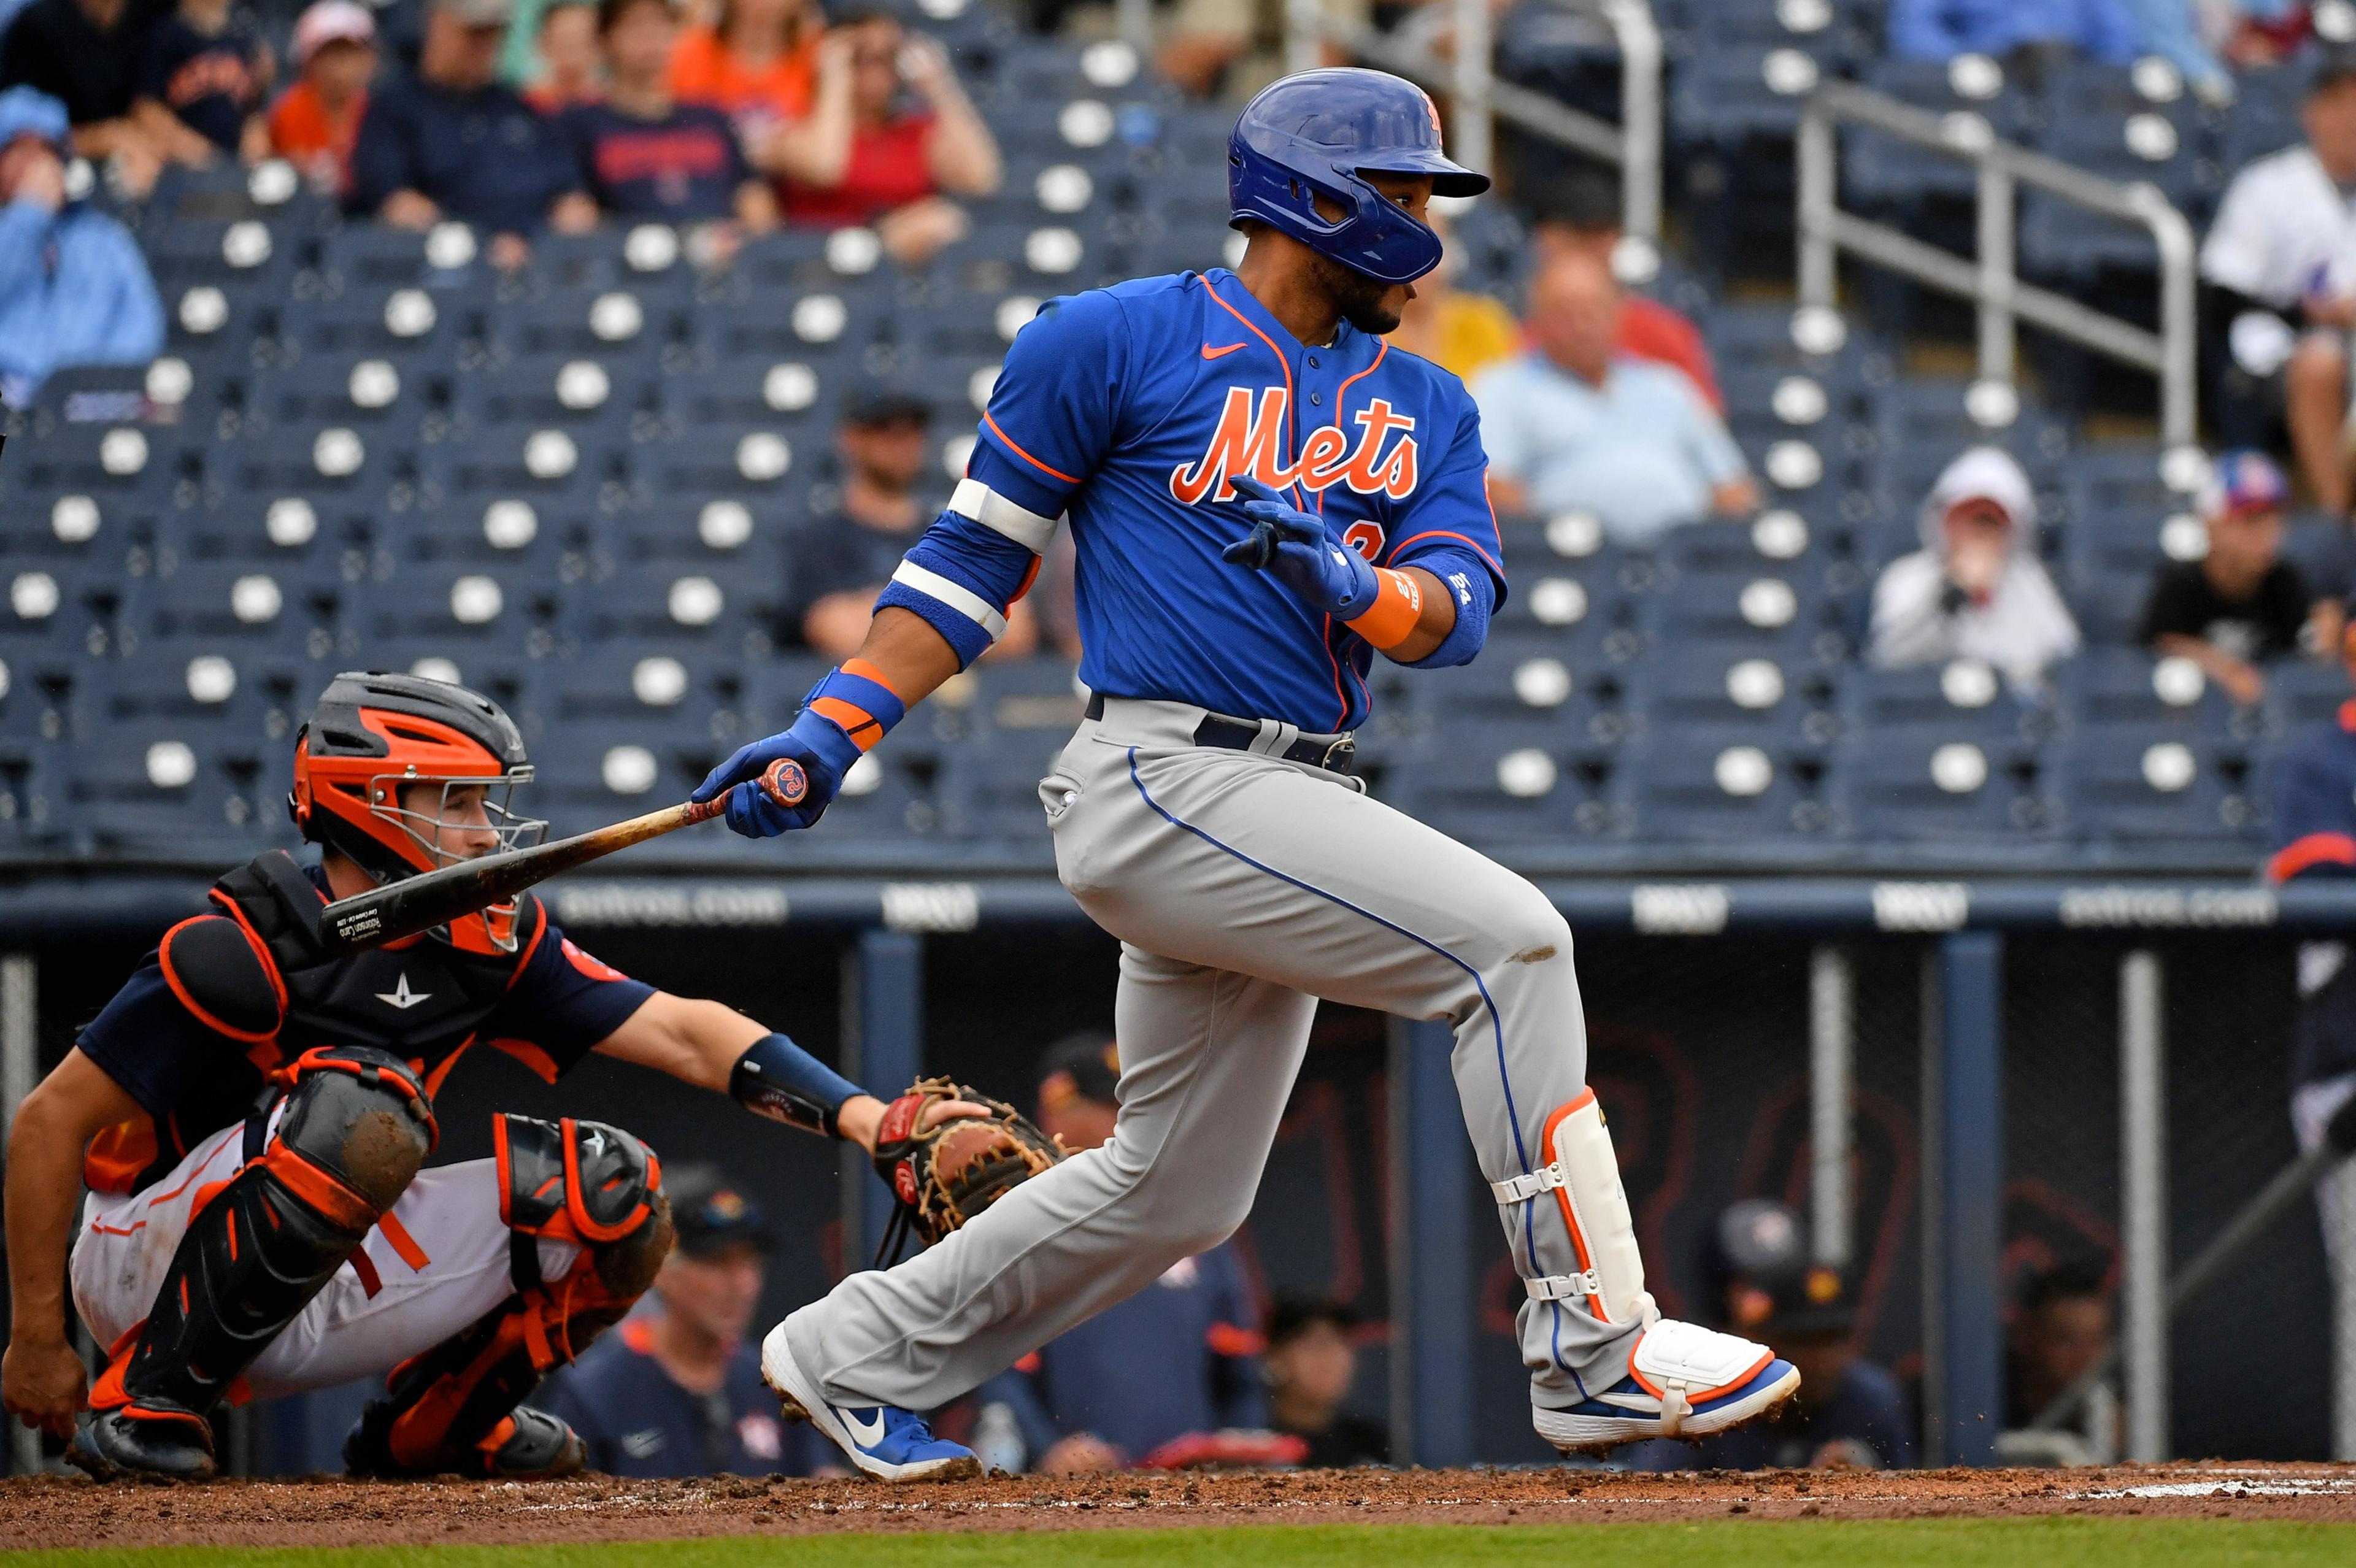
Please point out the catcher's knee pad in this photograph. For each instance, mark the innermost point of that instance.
(1581, 1177)
(583, 1182)
(361, 1115)
(260, 1246)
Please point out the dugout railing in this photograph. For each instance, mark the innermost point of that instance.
(1954, 1079)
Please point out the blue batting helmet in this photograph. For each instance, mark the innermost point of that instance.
(1316, 133)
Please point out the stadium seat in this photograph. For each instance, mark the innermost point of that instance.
(1759, 608)
(1527, 676)
(507, 675)
(1726, 689)
(620, 685)
(715, 616)
(405, 321)
(1910, 786)
(1510, 786)
(463, 612)
(182, 789)
(2147, 783)
(587, 772)
(2105, 689)
(1964, 699)
(990, 790)
(1726, 783)
(246, 607)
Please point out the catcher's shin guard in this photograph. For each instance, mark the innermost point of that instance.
(355, 1129)
(1583, 1175)
(454, 1407)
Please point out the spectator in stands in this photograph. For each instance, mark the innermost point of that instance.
(202, 87)
(2313, 837)
(73, 288)
(2024, 34)
(677, 1390)
(897, 157)
(1154, 1380)
(760, 63)
(88, 55)
(1462, 332)
(1975, 589)
(1572, 423)
(1580, 215)
(448, 141)
(572, 64)
(315, 121)
(1311, 1366)
(851, 542)
(2280, 260)
(2060, 1330)
(2242, 605)
(1849, 1412)
(643, 154)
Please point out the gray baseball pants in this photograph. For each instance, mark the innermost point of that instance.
(1243, 887)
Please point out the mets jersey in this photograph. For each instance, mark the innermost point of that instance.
(1127, 409)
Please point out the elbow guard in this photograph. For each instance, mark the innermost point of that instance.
(973, 564)
(777, 1079)
(1476, 599)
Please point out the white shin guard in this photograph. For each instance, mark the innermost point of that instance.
(1583, 1175)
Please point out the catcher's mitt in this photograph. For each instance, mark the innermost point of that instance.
(946, 1174)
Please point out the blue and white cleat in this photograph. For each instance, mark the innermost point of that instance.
(1683, 1382)
(881, 1440)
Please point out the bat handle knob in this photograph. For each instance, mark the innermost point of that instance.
(787, 782)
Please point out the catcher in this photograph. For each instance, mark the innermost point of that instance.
(252, 1116)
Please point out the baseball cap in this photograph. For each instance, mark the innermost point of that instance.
(27, 112)
(331, 22)
(480, 12)
(2243, 481)
(880, 402)
(1083, 1066)
(1758, 1262)
(2334, 64)
(709, 1211)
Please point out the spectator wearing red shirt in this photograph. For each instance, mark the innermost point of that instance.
(644, 156)
(314, 122)
(896, 157)
(1581, 214)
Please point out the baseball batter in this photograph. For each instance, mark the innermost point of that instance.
(1264, 496)
(250, 1113)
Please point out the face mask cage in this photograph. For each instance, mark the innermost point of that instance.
(451, 808)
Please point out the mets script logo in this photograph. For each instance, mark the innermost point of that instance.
(1250, 436)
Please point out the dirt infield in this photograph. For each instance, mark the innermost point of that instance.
(51, 1511)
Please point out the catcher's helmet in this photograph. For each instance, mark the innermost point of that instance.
(1311, 135)
(372, 738)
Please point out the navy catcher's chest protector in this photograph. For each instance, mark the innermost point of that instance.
(419, 1002)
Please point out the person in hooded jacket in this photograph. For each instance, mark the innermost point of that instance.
(1975, 589)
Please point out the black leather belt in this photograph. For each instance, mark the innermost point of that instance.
(1235, 735)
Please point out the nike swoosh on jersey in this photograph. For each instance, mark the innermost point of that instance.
(1211, 353)
(868, 1433)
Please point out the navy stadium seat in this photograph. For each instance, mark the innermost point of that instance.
(2156, 782)
(1508, 785)
(1725, 784)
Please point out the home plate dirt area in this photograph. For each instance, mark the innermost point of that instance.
(65, 1512)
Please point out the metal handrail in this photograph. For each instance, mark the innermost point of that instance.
(1480, 96)
(1992, 279)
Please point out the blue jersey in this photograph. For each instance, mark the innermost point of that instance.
(1128, 410)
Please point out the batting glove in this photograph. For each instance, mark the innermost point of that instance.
(816, 743)
(1293, 546)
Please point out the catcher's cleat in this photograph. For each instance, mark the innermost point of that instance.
(1683, 1382)
(881, 1440)
(119, 1444)
(526, 1446)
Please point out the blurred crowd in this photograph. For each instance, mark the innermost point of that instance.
(523, 115)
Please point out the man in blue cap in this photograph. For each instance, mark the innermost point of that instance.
(73, 288)
(676, 1389)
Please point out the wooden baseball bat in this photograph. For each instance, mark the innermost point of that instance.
(438, 896)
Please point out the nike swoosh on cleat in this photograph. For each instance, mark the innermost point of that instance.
(1211, 353)
(866, 1434)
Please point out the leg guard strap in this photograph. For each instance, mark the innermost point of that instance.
(1583, 1174)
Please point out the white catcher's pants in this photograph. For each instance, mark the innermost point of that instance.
(124, 1246)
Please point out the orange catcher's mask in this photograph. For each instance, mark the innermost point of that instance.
(403, 774)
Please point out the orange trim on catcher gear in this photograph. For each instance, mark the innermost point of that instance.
(364, 1266)
(542, 1065)
(318, 1189)
(112, 1159)
(107, 1393)
(397, 1237)
(576, 1199)
(180, 992)
(1226, 1339)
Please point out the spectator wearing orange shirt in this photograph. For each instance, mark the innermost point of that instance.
(316, 121)
(758, 62)
(896, 157)
(1582, 216)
